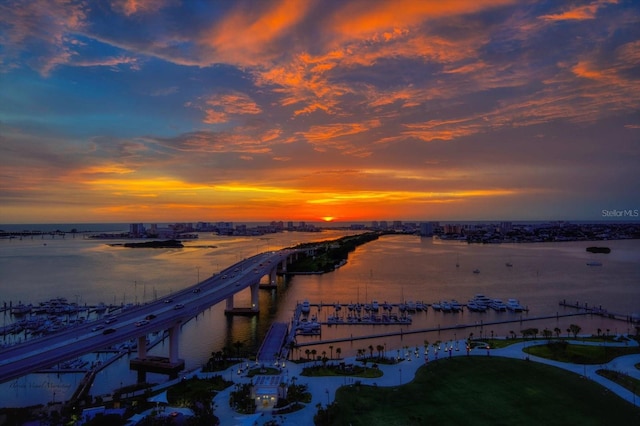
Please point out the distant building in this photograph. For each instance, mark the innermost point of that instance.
(137, 230)
(426, 229)
(375, 224)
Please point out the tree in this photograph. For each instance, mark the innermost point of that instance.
(314, 352)
(547, 333)
(338, 352)
(557, 331)
(307, 352)
(380, 348)
(331, 349)
(371, 350)
(575, 329)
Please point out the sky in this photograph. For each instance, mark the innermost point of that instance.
(303, 110)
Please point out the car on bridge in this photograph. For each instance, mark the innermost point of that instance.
(97, 327)
(141, 323)
(178, 306)
(109, 331)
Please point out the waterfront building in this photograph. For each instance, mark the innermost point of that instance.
(426, 229)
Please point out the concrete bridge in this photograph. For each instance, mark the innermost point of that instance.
(169, 313)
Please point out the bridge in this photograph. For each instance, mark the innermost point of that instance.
(137, 322)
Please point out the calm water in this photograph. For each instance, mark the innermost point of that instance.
(392, 268)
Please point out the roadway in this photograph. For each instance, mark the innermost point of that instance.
(139, 320)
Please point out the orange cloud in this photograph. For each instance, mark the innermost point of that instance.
(383, 19)
(247, 35)
(217, 108)
(579, 13)
(132, 7)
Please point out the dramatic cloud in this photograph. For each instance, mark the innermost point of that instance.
(358, 109)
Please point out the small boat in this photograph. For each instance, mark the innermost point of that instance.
(375, 306)
(476, 271)
(594, 263)
(474, 306)
(436, 306)
(514, 306)
(21, 309)
(508, 264)
(498, 305)
(305, 307)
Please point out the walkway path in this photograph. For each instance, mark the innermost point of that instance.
(323, 389)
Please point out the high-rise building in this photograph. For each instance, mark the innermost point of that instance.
(426, 229)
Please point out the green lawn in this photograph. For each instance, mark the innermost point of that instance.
(580, 354)
(483, 391)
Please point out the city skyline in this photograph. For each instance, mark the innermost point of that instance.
(164, 111)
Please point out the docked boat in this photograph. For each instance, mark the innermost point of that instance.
(498, 305)
(514, 306)
(21, 309)
(305, 307)
(594, 263)
(455, 306)
(375, 306)
(476, 271)
(474, 306)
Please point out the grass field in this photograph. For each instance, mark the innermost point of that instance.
(484, 391)
(580, 354)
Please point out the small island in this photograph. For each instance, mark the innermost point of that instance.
(153, 244)
(599, 249)
(326, 256)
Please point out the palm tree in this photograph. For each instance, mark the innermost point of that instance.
(380, 348)
(331, 349)
(307, 352)
(575, 329)
(314, 352)
(371, 350)
(557, 331)
(338, 352)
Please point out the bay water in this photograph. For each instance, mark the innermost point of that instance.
(394, 268)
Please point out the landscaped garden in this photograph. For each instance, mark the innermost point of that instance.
(479, 391)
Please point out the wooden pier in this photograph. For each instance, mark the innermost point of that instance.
(599, 310)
